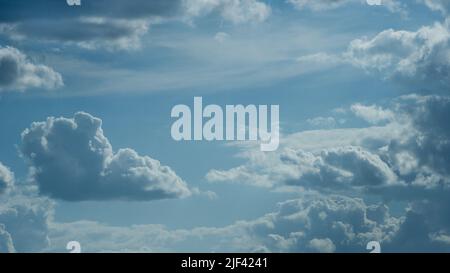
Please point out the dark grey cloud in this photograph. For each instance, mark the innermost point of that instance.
(110, 24)
(424, 228)
(421, 156)
(73, 160)
(23, 10)
(18, 73)
(114, 24)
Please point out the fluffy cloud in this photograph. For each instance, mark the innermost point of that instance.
(410, 163)
(422, 155)
(322, 245)
(6, 178)
(17, 72)
(312, 223)
(114, 25)
(336, 168)
(331, 223)
(372, 114)
(24, 223)
(72, 160)
(24, 218)
(420, 57)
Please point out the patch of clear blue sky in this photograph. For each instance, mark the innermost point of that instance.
(141, 120)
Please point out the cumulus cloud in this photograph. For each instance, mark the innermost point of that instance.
(322, 245)
(411, 161)
(410, 165)
(336, 168)
(6, 178)
(422, 155)
(24, 218)
(333, 223)
(18, 73)
(419, 59)
(71, 159)
(24, 222)
(414, 57)
(312, 223)
(372, 113)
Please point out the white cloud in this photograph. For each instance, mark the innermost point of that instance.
(438, 5)
(322, 122)
(6, 178)
(234, 11)
(420, 57)
(372, 114)
(25, 222)
(336, 168)
(407, 158)
(221, 37)
(72, 160)
(6, 244)
(312, 223)
(322, 245)
(320, 5)
(24, 218)
(18, 73)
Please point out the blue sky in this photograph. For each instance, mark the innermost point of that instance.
(363, 102)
